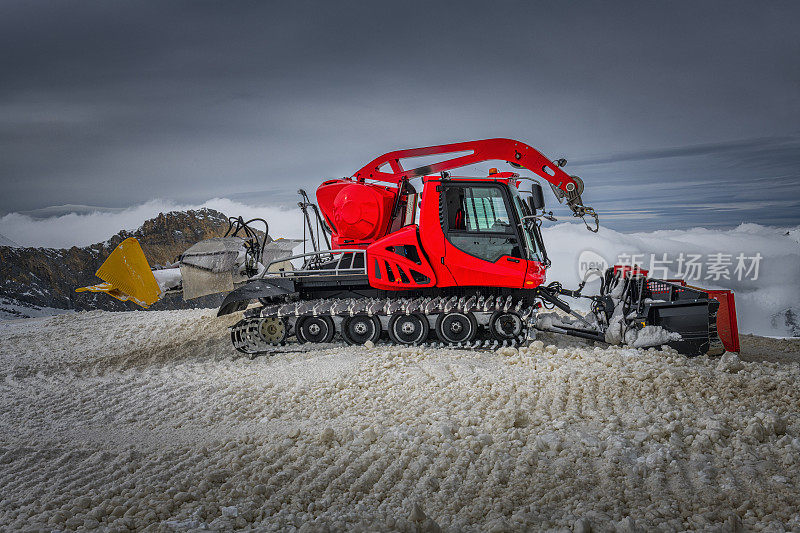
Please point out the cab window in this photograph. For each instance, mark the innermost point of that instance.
(477, 209)
(478, 221)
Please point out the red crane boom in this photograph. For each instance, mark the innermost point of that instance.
(515, 153)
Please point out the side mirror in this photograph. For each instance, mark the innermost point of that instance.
(536, 199)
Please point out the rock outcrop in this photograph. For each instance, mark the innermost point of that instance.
(47, 277)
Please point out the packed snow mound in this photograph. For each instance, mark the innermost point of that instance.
(124, 420)
(650, 336)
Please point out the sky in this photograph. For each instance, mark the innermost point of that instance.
(674, 114)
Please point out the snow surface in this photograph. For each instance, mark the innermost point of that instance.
(5, 241)
(11, 308)
(125, 420)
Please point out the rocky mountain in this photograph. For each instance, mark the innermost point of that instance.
(36, 281)
(788, 321)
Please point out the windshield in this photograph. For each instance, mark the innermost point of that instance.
(522, 211)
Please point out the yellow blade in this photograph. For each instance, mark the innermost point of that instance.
(127, 275)
(112, 291)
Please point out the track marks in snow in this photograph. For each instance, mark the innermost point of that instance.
(167, 425)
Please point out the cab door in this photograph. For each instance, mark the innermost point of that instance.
(482, 244)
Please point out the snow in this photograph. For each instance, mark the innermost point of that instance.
(11, 308)
(616, 332)
(123, 420)
(66, 209)
(167, 278)
(650, 336)
(5, 241)
(616, 325)
(642, 338)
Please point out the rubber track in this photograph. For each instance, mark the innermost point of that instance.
(246, 339)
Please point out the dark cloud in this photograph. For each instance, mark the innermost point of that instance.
(742, 149)
(706, 185)
(116, 103)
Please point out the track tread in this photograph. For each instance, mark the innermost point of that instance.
(245, 337)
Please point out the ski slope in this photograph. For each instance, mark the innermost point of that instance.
(130, 420)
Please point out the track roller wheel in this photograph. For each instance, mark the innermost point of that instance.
(409, 329)
(505, 325)
(272, 330)
(316, 329)
(455, 328)
(361, 328)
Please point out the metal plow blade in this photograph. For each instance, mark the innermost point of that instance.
(278, 250)
(211, 266)
(216, 265)
(690, 311)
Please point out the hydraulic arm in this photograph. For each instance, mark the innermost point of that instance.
(389, 168)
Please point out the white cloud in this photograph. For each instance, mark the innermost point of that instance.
(88, 228)
(757, 300)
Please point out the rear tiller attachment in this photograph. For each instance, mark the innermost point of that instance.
(640, 311)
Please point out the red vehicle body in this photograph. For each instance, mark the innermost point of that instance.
(379, 215)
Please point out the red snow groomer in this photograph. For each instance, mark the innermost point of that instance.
(461, 262)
